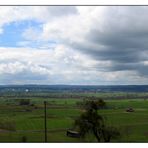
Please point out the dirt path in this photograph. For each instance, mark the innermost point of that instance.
(34, 131)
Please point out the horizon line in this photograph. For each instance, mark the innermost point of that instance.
(75, 84)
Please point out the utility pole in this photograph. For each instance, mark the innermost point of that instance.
(45, 121)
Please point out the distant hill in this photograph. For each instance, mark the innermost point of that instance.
(74, 88)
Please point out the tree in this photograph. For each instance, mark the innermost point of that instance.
(91, 122)
(101, 104)
(94, 104)
(109, 132)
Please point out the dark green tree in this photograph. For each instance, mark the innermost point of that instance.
(94, 104)
(101, 104)
(109, 132)
(91, 122)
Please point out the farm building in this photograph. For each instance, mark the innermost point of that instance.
(129, 110)
(73, 134)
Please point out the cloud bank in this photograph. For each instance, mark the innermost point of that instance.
(76, 45)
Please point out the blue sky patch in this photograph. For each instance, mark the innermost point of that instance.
(12, 32)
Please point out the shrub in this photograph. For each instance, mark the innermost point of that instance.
(24, 102)
(24, 139)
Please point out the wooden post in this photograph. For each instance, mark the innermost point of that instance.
(45, 121)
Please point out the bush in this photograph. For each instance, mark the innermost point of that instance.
(32, 104)
(24, 102)
(24, 139)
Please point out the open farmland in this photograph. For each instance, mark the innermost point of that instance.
(25, 123)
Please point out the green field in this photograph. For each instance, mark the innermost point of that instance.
(28, 120)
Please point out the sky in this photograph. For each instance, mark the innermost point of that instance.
(79, 45)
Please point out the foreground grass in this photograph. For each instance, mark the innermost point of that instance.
(60, 117)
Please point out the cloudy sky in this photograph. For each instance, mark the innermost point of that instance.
(74, 45)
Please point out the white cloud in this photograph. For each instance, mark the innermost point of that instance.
(115, 35)
(59, 62)
(91, 45)
(57, 66)
(10, 14)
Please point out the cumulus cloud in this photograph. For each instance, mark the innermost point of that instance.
(31, 65)
(9, 14)
(91, 44)
(117, 34)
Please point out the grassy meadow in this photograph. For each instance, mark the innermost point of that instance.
(25, 123)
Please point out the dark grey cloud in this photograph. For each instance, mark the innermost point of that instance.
(122, 38)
